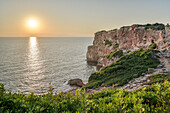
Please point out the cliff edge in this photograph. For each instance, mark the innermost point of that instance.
(126, 57)
(127, 38)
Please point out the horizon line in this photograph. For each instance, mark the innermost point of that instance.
(46, 37)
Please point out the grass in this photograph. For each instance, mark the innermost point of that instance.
(124, 69)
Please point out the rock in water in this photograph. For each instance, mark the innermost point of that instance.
(76, 82)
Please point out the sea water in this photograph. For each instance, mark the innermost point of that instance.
(32, 64)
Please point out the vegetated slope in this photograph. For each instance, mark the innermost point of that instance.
(156, 26)
(159, 78)
(152, 99)
(124, 69)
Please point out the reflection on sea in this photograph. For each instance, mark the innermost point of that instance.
(30, 64)
(34, 75)
(33, 51)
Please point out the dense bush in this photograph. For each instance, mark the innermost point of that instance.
(118, 53)
(159, 78)
(156, 26)
(152, 46)
(124, 69)
(155, 98)
(116, 45)
(107, 42)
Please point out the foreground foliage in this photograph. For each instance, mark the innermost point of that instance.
(155, 98)
(124, 69)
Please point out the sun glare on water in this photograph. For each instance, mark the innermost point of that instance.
(33, 41)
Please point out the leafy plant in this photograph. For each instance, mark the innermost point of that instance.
(118, 53)
(156, 26)
(152, 46)
(159, 78)
(152, 99)
(116, 45)
(107, 42)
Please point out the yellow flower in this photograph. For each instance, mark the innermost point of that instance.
(143, 109)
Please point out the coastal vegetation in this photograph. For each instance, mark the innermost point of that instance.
(124, 69)
(152, 99)
(159, 78)
(118, 53)
(152, 46)
(107, 42)
(116, 45)
(156, 26)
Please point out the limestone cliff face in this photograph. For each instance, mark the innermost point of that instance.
(126, 38)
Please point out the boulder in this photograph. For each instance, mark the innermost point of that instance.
(76, 82)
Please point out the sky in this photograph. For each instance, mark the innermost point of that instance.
(77, 18)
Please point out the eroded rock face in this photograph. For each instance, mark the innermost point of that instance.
(76, 82)
(128, 38)
(92, 53)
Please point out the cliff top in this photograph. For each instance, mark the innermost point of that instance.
(155, 26)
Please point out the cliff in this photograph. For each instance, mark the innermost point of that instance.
(128, 38)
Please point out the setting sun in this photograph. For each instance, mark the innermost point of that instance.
(32, 23)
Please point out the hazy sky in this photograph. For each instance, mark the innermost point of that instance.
(69, 18)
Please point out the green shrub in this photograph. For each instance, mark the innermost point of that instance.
(156, 26)
(152, 99)
(118, 53)
(152, 46)
(124, 69)
(158, 78)
(128, 51)
(107, 42)
(116, 45)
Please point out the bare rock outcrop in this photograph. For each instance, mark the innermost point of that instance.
(127, 38)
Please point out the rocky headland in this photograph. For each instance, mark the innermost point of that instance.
(109, 47)
(128, 59)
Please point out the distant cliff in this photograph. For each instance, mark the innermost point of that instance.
(128, 38)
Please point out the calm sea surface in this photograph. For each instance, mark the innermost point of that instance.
(33, 64)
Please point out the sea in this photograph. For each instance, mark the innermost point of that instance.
(32, 64)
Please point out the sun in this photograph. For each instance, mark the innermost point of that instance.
(32, 23)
